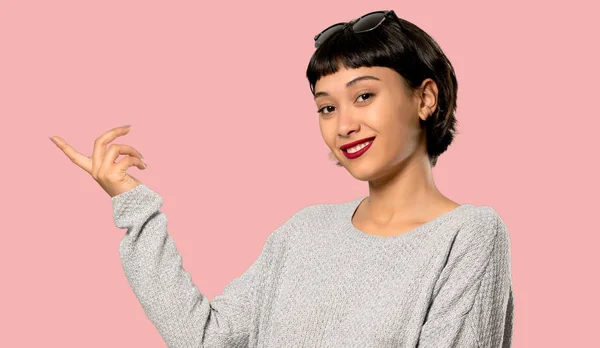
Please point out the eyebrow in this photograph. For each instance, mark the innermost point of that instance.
(349, 84)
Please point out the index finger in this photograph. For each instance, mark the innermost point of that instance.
(102, 141)
(80, 160)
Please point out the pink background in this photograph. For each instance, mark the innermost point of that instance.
(220, 107)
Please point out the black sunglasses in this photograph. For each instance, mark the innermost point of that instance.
(362, 24)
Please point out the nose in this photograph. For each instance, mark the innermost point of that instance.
(347, 124)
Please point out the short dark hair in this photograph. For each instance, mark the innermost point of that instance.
(412, 53)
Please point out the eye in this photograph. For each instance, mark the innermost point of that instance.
(367, 95)
(328, 108)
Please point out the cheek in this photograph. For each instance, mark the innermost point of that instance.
(384, 123)
(327, 132)
(393, 131)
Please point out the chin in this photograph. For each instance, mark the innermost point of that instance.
(362, 172)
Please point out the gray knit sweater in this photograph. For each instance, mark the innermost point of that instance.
(320, 282)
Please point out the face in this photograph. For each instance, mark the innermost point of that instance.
(373, 103)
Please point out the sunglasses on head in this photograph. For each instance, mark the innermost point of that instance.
(362, 24)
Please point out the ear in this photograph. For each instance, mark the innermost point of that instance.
(427, 99)
(333, 158)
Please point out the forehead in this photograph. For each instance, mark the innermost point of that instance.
(339, 79)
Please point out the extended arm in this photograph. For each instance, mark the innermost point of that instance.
(171, 301)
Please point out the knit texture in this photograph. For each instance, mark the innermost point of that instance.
(320, 282)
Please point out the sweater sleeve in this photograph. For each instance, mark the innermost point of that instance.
(472, 304)
(171, 301)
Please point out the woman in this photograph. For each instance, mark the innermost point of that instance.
(403, 267)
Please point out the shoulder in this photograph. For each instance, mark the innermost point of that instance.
(481, 218)
(326, 213)
(313, 219)
(304, 223)
(482, 228)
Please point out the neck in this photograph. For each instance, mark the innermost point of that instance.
(405, 196)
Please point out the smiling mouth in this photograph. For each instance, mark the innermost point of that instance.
(358, 147)
(357, 150)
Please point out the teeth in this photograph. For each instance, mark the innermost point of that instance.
(358, 147)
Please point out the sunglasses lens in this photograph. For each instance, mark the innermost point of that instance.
(327, 33)
(369, 21)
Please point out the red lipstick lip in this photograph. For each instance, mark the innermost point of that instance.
(357, 153)
(354, 143)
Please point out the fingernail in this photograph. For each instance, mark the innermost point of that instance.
(142, 156)
(127, 126)
(145, 165)
(52, 140)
